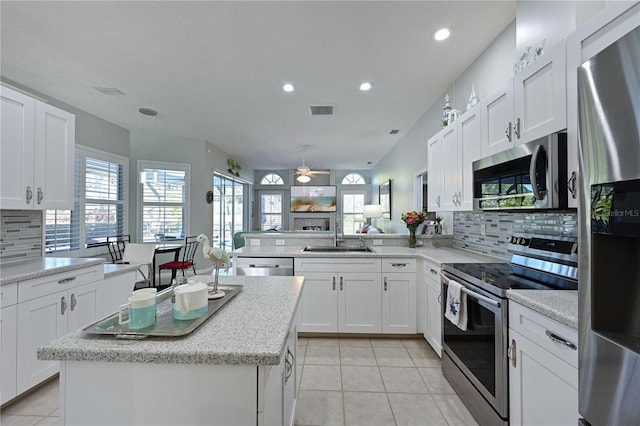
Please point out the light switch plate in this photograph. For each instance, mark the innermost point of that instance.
(279, 242)
(377, 242)
(255, 242)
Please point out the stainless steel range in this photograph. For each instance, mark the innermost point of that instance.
(475, 360)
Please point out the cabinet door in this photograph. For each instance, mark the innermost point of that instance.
(54, 154)
(435, 174)
(434, 316)
(8, 340)
(451, 166)
(543, 389)
(399, 303)
(359, 302)
(497, 117)
(16, 149)
(290, 377)
(540, 94)
(39, 322)
(470, 150)
(82, 306)
(319, 304)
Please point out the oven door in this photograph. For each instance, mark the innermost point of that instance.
(480, 352)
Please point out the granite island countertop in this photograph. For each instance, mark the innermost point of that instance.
(559, 305)
(250, 330)
(21, 271)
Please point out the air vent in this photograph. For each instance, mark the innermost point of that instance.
(110, 91)
(322, 109)
(394, 132)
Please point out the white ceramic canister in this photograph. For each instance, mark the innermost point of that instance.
(190, 301)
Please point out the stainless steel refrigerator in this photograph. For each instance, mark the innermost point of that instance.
(609, 289)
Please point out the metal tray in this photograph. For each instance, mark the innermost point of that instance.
(165, 324)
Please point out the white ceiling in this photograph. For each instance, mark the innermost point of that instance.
(214, 70)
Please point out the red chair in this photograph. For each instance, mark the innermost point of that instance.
(188, 253)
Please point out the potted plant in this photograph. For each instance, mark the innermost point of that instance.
(234, 167)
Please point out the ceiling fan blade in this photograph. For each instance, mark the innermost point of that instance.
(321, 172)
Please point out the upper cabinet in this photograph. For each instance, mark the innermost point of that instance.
(497, 120)
(36, 153)
(436, 172)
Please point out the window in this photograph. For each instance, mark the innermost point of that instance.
(165, 200)
(271, 210)
(100, 205)
(352, 210)
(353, 179)
(228, 209)
(272, 179)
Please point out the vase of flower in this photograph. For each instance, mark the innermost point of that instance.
(413, 220)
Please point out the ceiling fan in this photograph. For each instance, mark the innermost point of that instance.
(304, 172)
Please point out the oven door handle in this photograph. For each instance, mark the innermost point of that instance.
(473, 293)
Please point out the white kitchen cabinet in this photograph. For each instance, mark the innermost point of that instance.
(497, 120)
(340, 295)
(451, 167)
(8, 339)
(433, 333)
(399, 296)
(543, 369)
(435, 195)
(48, 307)
(37, 148)
(277, 398)
(113, 292)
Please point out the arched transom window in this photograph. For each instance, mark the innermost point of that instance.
(353, 179)
(272, 179)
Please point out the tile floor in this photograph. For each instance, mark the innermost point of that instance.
(342, 381)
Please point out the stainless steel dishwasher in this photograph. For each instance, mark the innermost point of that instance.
(264, 266)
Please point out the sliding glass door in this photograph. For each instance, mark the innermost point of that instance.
(229, 210)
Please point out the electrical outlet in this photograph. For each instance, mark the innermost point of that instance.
(483, 229)
(255, 242)
(279, 242)
(377, 242)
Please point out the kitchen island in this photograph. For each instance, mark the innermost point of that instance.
(238, 368)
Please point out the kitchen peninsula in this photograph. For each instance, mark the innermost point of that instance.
(238, 368)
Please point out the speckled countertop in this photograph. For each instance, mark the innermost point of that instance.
(111, 269)
(42, 267)
(250, 330)
(560, 305)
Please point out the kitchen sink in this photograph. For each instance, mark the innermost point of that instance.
(313, 249)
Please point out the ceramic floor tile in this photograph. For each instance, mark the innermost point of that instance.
(435, 381)
(424, 357)
(404, 380)
(300, 353)
(367, 408)
(49, 421)
(416, 409)
(323, 341)
(322, 355)
(321, 377)
(357, 356)
(319, 408)
(393, 357)
(387, 343)
(415, 343)
(346, 342)
(40, 402)
(363, 379)
(454, 411)
(10, 420)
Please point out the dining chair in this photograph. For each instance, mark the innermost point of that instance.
(116, 245)
(140, 254)
(186, 260)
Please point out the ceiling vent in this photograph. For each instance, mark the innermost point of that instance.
(110, 91)
(322, 109)
(394, 132)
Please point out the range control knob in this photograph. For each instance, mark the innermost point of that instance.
(513, 240)
(523, 241)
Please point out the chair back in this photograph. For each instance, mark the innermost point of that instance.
(238, 240)
(140, 253)
(116, 245)
(190, 247)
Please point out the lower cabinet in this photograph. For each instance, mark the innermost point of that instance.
(399, 296)
(433, 329)
(8, 338)
(280, 386)
(543, 369)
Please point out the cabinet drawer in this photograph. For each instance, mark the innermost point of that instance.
(399, 265)
(38, 287)
(8, 294)
(543, 330)
(332, 264)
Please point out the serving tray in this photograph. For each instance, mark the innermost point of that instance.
(165, 324)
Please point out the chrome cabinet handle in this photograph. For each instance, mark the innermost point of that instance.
(66, 280)
(341, 284)
(512, 353)
(440, 298)
(559, 340)
(438, 200)
(572, 185)
(399, 265)
(29, 195)
(288, 366)
(453, 199)
(538, 193)
(516, 128)
(40, 195)
(458, 196)
(385, 283)
(433, 271)
(507, 132)
(334, 283)
(63, 305)
(74, 302)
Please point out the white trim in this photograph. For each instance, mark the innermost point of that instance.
(418, 202)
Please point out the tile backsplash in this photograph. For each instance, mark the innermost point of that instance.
(500, 225)
(20, 235)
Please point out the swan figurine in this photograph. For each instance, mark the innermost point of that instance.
(219, 257)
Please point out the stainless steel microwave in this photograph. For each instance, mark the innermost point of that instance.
(526, 177)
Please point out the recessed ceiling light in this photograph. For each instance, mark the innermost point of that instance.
(365, 86)
(288, 87)
(442, 34)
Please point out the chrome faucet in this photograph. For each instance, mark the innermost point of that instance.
(336, 240)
